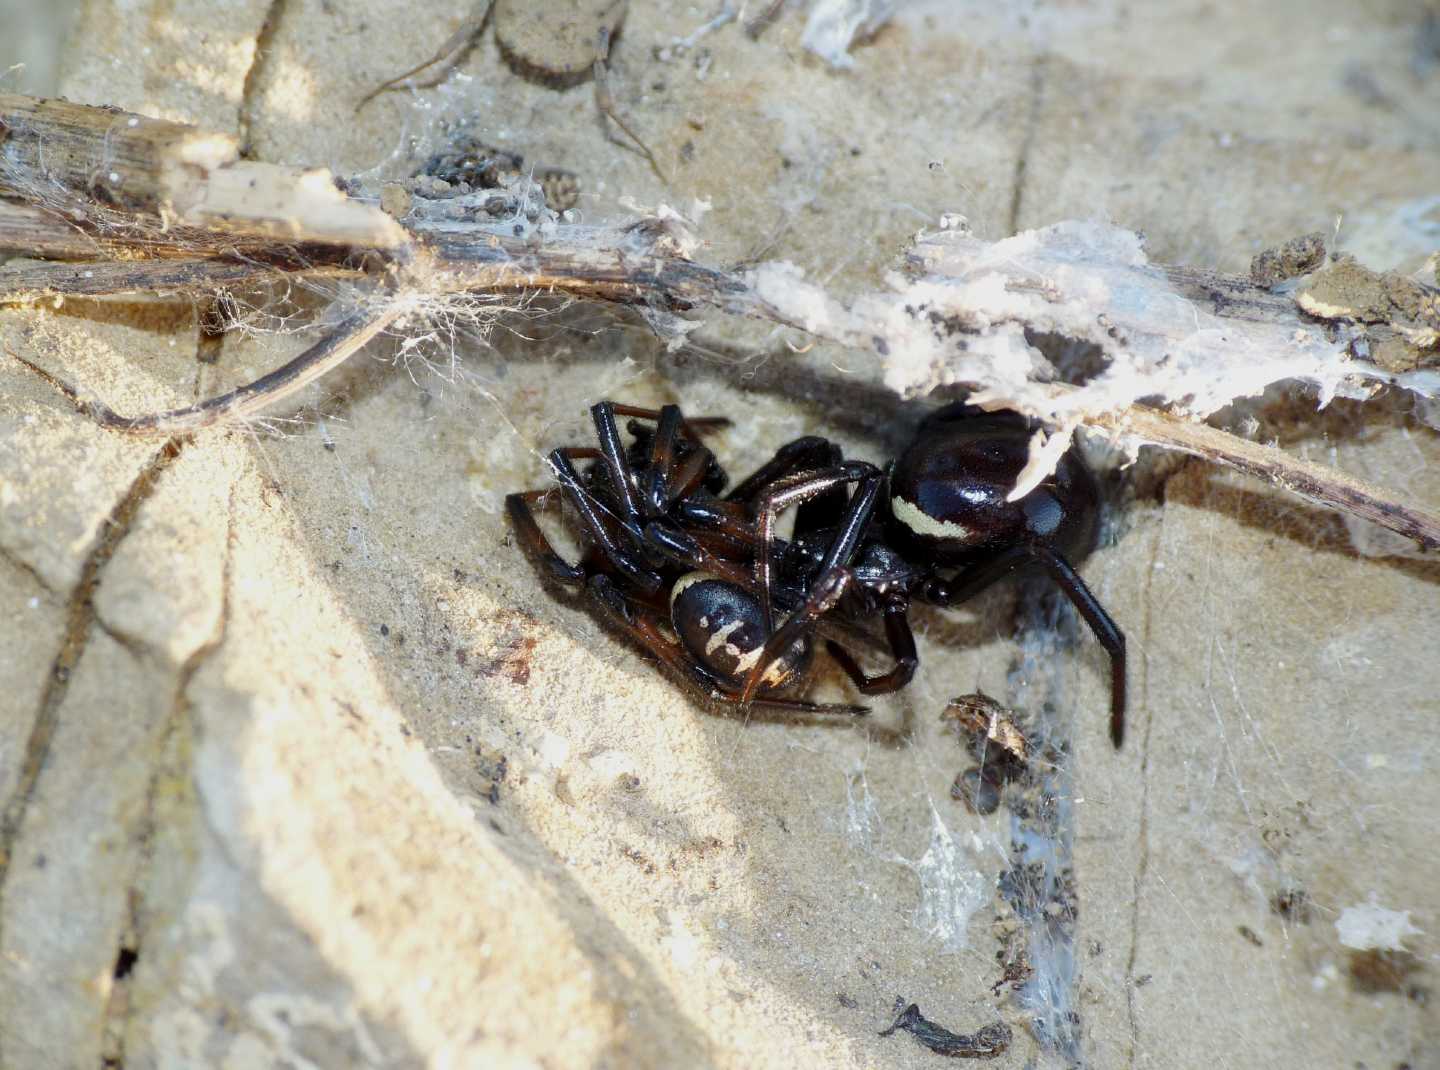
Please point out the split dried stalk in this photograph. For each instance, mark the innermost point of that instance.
(1313, 482)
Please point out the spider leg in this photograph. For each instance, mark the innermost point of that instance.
(667, 430)
(977, 578)
(654, 538)
(1107, 633)
(647, 494)
(825, 594)
(534, 541)
(625, 562)
(665, 472)
(797, 705)
(802, 487)
(612, 452)
(663, 481)
(679, 547)
(807, 454)
(974, 580)
(692, 426)
(643, 626)
(727, 520)
(902, 646)
(685, 478)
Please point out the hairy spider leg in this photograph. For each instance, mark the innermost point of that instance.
(644, 627)
(977, 578)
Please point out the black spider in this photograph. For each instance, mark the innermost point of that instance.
(704, 584)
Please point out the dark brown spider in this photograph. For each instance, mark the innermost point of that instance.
(703, 583)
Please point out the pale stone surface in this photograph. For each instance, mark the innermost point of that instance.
(155, 595)
(283, 788)
(77, 851)
(1282, 757)
(59, 479)
(186, 62)
(33, 629)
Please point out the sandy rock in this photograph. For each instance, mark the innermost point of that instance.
(332, 780)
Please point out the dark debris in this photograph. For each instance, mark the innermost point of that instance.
(1296, 257)
(986, 1043)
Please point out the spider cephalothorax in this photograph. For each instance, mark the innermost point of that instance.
(703, 582)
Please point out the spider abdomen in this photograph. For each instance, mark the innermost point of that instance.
(948, 494)
(722, 626)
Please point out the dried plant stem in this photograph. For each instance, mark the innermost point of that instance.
(181, 212)
(339, 345)
(1313, 482)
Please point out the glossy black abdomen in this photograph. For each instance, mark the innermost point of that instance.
(722, 627)
(947, 492)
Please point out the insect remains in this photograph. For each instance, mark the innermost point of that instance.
(700, 580)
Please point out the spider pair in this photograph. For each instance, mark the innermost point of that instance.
(704, 584)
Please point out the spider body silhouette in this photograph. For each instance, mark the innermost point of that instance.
(701, 580)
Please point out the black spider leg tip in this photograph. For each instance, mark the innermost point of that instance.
(1107, 633)
(1105, 630)
(642, 626)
